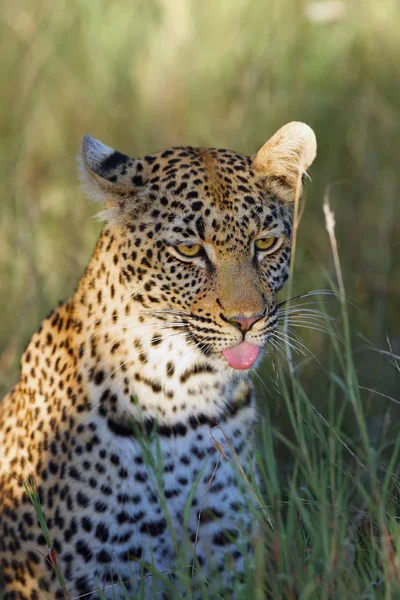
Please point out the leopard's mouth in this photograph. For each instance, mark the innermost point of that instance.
(240, 353)
(242, 356)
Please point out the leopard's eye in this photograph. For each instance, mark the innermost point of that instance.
(190, 251)
(266, 243)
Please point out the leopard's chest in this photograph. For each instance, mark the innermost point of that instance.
(140, 497)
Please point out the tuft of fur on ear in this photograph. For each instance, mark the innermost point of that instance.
(285, 157)
(109, 176)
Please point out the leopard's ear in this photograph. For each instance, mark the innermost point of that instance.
(286, 157)
(107, 175)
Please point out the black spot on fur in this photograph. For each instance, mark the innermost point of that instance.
(99, 377)
(113, 161)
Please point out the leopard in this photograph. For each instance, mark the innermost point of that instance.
(135, 398)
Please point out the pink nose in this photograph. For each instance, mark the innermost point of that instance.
(244, 322)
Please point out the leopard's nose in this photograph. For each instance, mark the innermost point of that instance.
(244, 322)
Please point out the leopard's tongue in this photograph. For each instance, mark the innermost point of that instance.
(241, 356)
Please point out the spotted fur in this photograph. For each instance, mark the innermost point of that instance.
(136, 354)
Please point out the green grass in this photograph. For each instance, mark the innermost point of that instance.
(144, 75)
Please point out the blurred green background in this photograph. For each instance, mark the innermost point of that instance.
(145, 75)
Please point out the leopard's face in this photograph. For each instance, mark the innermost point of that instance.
(197, 251)
(204, 245)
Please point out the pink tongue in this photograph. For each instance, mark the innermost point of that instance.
(242, 356)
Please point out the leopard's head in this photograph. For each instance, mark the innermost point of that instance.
(204, 235)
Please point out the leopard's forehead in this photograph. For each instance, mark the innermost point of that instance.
(215, 173)
(209, 193)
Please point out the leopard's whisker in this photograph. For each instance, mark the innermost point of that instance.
(313, 327)
(308, 295)
(307, 316)
(291, 342)
(305, 321)
(306, 311)
(306, 349)
(277, 346)
(293, 336)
